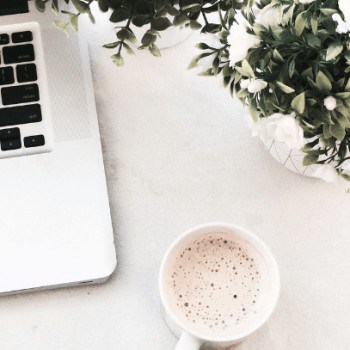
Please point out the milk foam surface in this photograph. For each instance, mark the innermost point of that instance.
(216, 284)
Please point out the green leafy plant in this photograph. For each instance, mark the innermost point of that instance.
(297, 65)
(154, 16)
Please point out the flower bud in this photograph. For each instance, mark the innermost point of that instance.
(330, 103)
(256, 85)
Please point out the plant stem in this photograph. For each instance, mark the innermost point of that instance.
(205, 17)
(127, 26)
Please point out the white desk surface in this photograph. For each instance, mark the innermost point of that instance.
(178, 153)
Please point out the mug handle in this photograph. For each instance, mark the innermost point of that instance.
(188, 342)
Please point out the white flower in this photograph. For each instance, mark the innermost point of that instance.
(281, 128)
(240, 42)
(256, 85)
(342, 27)
(273, 15)
(345, 8)
(306, 1)
(326, 172)
(244, 83)
(330, 103)
(253, 85)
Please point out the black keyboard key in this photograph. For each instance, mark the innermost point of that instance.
(22, 37)
(20, 115)
(10, 134)
(4, 39)
(34, 141)
(18, 54)
(26, 73)
(11, 145)
(6, 76)
(20, 94)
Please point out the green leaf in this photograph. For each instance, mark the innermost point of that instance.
(140, 21)
(193, 63)
(55, 7)
(148, 39)
(80, 6)
(114, 4)
(314, 24)
(190, 5)
(161, 23)
(160, 4)
(172, 11)
(307, 73)
(291, 68)
(111, 45)
(344, 121)
(343, 94)
(338, 131)
(103, 5)
(40, 5)
(326, 132)
(347, 86)
(180, 20)
(62, 25)
(247, 69)
(346, 177)
(118, 59)
(254, 112)
(334, 50)
(195, 25)
(154, 50)
(298, 103)
(120, 15)
(211, 28)
(323, 82)
(328, 12)
(313, 40)
(129, 50)
(310, 159)
(277, 56)
(286, 89)
(300, 24)
(127, 34)
(74, 21)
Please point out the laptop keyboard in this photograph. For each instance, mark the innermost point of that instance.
(25, 122)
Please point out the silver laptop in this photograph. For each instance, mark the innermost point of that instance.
(55, 224)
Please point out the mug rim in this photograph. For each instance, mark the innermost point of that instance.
(259, 245)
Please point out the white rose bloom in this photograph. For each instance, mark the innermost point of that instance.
(345, 8)
(281, 128)
(240, 42)
(330, 103)
(273, 15)
(342, 27)
(327, 173)
(256, 85)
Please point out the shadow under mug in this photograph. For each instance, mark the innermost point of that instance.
(190, 339)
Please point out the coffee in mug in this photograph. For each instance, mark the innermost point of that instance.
(218, 282)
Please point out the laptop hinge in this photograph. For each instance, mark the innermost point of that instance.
(13, 7)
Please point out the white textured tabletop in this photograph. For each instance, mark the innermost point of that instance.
(178, 153)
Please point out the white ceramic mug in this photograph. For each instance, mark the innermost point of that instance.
(189, 338)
